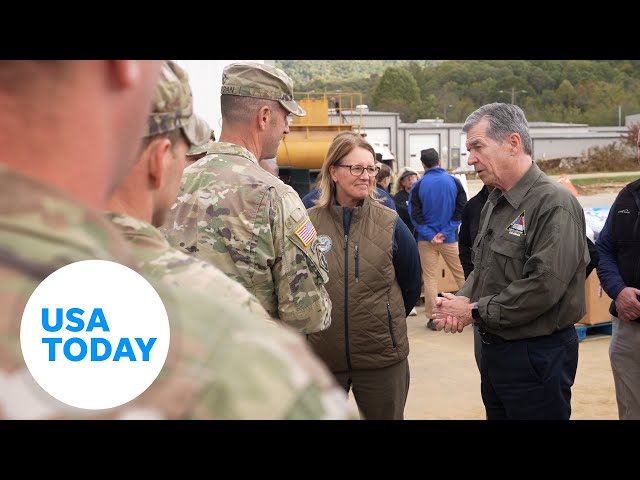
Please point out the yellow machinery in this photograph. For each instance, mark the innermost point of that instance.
(302, 151)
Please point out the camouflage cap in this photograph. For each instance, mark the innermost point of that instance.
(172, 107)
(249, 79)
(199, 149)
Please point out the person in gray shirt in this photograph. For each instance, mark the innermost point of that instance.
(526, 290)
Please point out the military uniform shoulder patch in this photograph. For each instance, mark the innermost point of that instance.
(321, 245)
(306, 232)
(517, 226)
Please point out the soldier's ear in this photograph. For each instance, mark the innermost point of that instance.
(263, 117)
(158, 150)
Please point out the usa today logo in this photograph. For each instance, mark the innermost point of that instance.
(94, 334)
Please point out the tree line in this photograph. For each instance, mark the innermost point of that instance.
(596, 92)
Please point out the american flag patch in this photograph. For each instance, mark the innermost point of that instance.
(306, 232)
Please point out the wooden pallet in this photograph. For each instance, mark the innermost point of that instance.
(597, 330)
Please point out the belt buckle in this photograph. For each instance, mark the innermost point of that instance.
(484, 336)
(489, 338)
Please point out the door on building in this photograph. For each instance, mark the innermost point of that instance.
(380, 139)
(464, 153)
(419, 142)
(455, 157)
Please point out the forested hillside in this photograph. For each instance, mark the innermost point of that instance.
(306, 71)
(578, 91)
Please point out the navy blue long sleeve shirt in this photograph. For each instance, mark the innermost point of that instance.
(616, 265)
(406, 261)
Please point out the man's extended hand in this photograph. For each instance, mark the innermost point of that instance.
(452, 313)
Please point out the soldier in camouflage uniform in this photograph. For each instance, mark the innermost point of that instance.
(140, 205)
(142, 201)
(223, 361)
(232, 213)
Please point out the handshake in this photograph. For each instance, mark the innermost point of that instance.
(452, 313)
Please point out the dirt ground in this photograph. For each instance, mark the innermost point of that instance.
(598, 188)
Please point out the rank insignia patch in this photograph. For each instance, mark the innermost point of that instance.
(517, 226)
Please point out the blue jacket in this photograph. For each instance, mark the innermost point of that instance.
(308, 199)
(387, 200)
(442, 198)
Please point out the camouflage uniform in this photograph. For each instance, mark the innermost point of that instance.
(157, 259)
(200, 149)
(225, 361)
(232, 213)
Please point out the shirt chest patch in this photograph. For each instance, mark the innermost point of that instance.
(517, 227)
(324, 243)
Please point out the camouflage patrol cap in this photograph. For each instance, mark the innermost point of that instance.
(199, 149)
(172, 107)
(249, 79)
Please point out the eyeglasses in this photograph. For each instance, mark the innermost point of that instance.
(356, 170)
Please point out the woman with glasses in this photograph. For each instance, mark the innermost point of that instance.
(374, 281)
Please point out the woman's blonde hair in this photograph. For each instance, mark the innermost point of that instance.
(342, 145)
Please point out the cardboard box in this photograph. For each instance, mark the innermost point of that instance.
(596, 299)
(597, 302)
(446, 282)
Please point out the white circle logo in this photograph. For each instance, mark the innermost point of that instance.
(94, 334)
(324, 243)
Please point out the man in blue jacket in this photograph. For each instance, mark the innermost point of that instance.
(619, 272)
(435, 208)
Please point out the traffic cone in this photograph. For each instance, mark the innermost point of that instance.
(565, 182)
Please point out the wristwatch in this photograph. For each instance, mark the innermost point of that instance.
(475, 313)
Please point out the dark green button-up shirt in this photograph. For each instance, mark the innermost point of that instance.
(529, 259)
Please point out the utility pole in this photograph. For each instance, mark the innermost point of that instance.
(513, 94)
(619, 115)
(445, 111)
